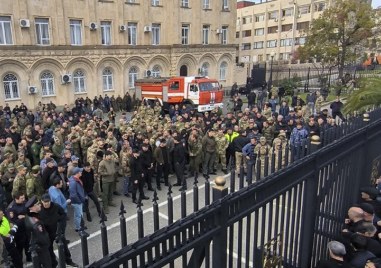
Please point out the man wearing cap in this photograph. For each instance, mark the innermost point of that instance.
(106, 170)
(8, 159)
(77, 196)
(49, 172)
(34, 185)
(369, 195)
(209, 146)
(23, 161)
(336, 252)
(19, 184)
(36, 148)
(72, 165)
(39, 237)
(7, 181)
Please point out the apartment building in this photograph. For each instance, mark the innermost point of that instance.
(274, 29)
(64, 49)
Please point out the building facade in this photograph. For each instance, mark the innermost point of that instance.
(274, 29)
(65, 49)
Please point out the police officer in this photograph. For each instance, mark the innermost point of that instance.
(39, 236)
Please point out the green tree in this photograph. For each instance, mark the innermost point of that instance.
(335, 38)
(367, 96)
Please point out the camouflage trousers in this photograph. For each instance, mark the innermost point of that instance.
(220, 158)
(239, 160)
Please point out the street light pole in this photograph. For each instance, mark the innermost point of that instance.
(271, 71)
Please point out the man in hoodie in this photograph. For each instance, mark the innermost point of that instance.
(88, 180)
(179, 163)
(77, 196)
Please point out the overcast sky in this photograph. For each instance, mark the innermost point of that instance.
(376, 3)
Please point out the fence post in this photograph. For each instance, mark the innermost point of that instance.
(315, 143)
(61, 250)
(104, 234)
(85, 251)
(220, 240)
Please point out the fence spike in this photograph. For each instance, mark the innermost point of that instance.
(155, 197)
(122, 210)
(103, 216)
(169, 190)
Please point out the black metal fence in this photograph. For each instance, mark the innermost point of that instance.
(285, 218)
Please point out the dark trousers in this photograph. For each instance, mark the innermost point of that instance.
(44, 258)
(179, 170)
(162, 170)
(22, 243)
(93, 197)
(13, 252)
(148, 177)
(250, 168)
(135, 188)
(208, 164)
(339, 114)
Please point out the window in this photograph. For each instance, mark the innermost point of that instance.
(132, 76)
(155, 2)
(184, 3)
(284, 56)
(205, 69)
(47, 84)
(185, 34)
(131, 1)
(271, 43)
(11, 87)
(259, 31)
(286, 27)
(76, 32)
(300, 41)
(246, 33)
(287, 12)
(304, 26)
(42, 31)
(205, 34)
(320, 6)
(79, 80)
(273, 15)
(246, 46)
(107, 79)
(106, 32)
(236, 34)
(247, 20)
(156, 34)
(225, 5)
(258, 45)
(224, 35)
(132, 33)
(268, 57)
(304, 9)
(260, 58)
(206, 4)
(272, 30)
(223, 70)
(5, 31)
(286, 42)
(259, 17)
(156, 71)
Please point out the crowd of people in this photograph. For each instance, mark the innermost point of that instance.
(359, 245)
(65, 157)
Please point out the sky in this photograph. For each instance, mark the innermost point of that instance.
(376, 3)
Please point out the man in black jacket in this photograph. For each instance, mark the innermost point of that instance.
(88, 181)
(147, 162)
(53, 217)
(238, 144)
(179, 161)
(137, 175)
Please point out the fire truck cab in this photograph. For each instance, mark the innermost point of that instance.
(202, 93)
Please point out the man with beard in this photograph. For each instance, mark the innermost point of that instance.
(49, 173)
(137, 176)
(161, 156)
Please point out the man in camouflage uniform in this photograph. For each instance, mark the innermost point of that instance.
(36, 148)
(268, 130)
(119, 102)
(244, 122)
(318, 102)
(7, 181)
(34, 184)
(86, 141)
(23, 161)
(263, 152)
(222, 145)
(75, 138)
(8, 159)
(10, 147)
(125, 170)
(19, 184)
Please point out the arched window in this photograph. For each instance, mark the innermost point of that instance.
(205, 69)
(11, 87)
(79, 80)
(156, 70)
(47, 84)
(107, 79)
(132, 76)
(223, 70)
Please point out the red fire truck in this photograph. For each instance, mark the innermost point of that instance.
(201, 92)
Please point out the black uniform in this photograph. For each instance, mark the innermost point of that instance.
(147, 162)
(137, 176)
(179, 162)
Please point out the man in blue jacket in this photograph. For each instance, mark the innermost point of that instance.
(77, 196)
